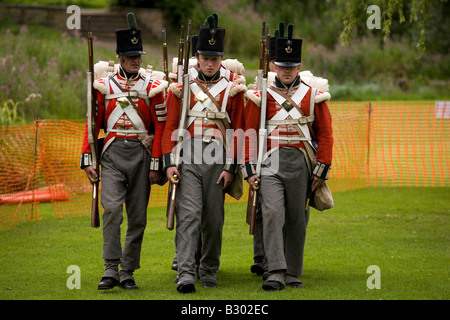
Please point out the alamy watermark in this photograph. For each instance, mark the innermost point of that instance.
(74, 20)
(74, 280)
(374, 21)
(374, 281)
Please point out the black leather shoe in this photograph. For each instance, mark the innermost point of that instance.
(107, 283)
(272, 286)
(129, 284)
(258, 268)
(186, 288)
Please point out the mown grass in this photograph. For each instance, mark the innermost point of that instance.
(404, 231)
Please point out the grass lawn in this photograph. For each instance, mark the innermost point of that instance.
(403, 231)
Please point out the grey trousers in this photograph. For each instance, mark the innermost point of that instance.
(199, 217)
(283, 200)
(125, 180)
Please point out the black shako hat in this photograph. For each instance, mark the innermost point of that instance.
(211, 38)
(194, 40)
(129, 41)
(288, 52)
(273, 40)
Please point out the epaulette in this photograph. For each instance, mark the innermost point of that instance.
(319, 83)
(239, 79)
(176, 88)
(156, 75)
(236, 88)
(254, 96)
(322, 96)
(234, 66)
(158, 86)
(99, 85)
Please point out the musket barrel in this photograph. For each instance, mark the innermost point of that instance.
(180, 56)
(187, 52)
(252, 202)
(92, 131)
(183, 76)
(165, 59)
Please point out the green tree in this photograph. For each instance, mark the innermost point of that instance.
(392, 13)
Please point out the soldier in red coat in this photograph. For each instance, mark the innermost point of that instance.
(209, 160)
(131, 111)
(297, 160)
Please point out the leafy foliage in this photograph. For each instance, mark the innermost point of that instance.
(391, 11)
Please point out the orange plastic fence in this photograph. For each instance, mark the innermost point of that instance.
(376, 144)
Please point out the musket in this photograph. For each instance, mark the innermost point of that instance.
(180, 56)
(92, 128)
(252, 204)
(262, 51)
(185, 105)
(165, 61)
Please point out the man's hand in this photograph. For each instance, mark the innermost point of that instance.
(155, 176)
(254, 182)
(91, 174)
(317, 183)
(227, 177)
(171, 172)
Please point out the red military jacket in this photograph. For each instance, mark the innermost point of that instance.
(151, 111)
(288, 134)
(201, 125)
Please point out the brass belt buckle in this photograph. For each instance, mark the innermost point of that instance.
(302, 120)
(211, 115)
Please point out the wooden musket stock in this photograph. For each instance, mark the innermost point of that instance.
(92, 132)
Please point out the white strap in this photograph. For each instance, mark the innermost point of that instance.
(225, 73)
(211, 115)
(288, 138)
(139, 90)
(193, 72)
(207, 103)
(134, 118)
(131, 94)
(131, 131)
(114, 117)
(214, 90)
(283, 114)
(302, 120)
(312, 102)
(132, 115)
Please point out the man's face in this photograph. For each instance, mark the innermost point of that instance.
(209, 65)
(287, 74)
(131, 64)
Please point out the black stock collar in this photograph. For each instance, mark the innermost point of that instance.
(203, 77)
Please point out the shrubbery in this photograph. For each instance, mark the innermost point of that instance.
(43, 71)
